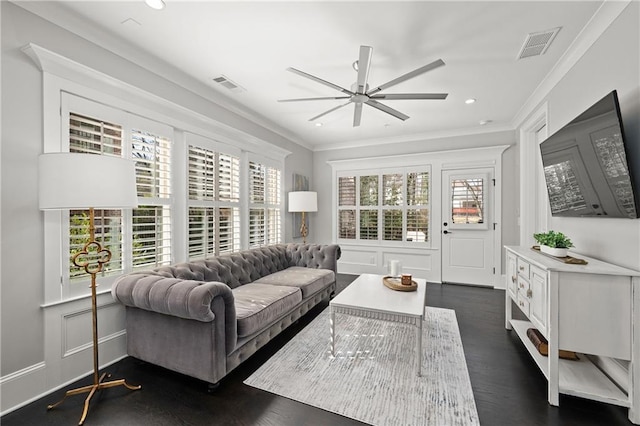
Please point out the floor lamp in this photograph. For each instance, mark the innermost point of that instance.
(303, 202)
(81, 181)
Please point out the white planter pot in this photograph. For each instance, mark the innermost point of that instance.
(557, 252)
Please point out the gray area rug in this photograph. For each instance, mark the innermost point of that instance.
(373, 377)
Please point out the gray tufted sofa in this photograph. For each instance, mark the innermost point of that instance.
(204, 318)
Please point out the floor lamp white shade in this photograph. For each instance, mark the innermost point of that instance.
(88, 181)
(79, 181)
(303, 201)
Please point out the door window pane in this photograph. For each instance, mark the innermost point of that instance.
(467, 200)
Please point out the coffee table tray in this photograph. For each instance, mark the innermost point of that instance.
(394, 283)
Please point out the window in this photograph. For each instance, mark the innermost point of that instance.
(186, 207)
(389, 207)
(265, 210)
(149, 241)
(214, 200)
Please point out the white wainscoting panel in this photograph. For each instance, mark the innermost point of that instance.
(68, 350)
(419, 262)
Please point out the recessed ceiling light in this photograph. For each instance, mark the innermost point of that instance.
(155, 4)
(318, 124)
(485, 122)
(469, 101)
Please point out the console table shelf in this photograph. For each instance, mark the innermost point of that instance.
(588, 309)
(578, 378)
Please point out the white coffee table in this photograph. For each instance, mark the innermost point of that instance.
(368, 297)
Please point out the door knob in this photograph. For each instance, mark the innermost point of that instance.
(447, 232)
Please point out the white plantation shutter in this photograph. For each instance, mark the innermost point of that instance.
(347, 207)
(214, 200)
(151, 236)
(92, 136)
(228, 178)
(152, 155)
(347, 191)
(228, 229)
(108, 232)
(202, 173)
(418, 197)
(265, 211)
(151, 229)
(201, 232)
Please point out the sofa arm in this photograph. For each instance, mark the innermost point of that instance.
(315, 255)
(187, 299)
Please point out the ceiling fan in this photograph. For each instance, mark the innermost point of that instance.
(361, 95)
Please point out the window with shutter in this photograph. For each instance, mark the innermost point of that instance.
(149, 239)
(347, 207)
(214, 196)
(391, 206)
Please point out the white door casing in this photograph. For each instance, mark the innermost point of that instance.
(468, 226)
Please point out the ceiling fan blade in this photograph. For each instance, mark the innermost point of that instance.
(398, 96)
(319, 80)
(327, 112)
(357, 114)
(407, 76)
(388, 110)
(364, 62)
(314, 99)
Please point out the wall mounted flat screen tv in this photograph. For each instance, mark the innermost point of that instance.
(586, 168)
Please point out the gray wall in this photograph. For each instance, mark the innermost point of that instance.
(613, 62)
(21, 221)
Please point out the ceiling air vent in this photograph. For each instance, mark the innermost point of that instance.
(537, 43)
(227, 83)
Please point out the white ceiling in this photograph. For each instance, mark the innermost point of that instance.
(252, 43)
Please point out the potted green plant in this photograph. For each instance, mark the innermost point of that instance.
(553, 243)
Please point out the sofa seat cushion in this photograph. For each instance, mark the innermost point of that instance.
(260, 304)
(309, 280)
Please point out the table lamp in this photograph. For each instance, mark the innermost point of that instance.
(69, 181)
(303, 202)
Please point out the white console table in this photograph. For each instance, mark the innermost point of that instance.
(591, 309)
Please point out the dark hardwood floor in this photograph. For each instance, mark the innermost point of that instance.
(508, 387)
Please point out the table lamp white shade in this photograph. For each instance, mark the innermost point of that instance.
(303, 201)
(80, 181)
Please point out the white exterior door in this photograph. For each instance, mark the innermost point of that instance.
(467, 226)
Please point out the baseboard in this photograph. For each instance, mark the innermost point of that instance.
(29, 384)
(502, 283)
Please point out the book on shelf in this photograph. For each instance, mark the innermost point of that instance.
(542, 345)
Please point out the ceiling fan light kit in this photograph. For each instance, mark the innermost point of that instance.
(360, 94)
